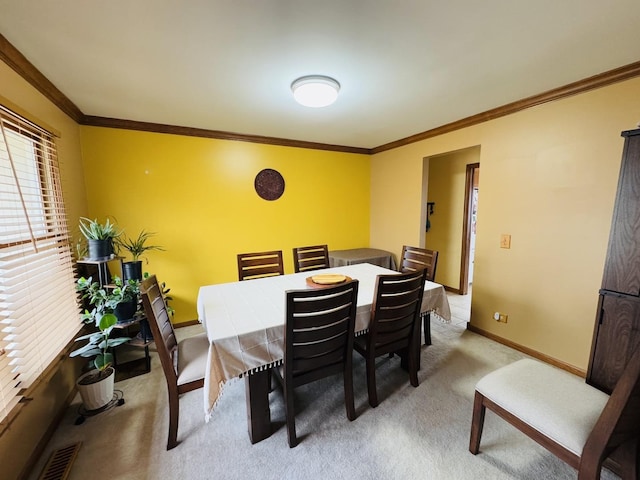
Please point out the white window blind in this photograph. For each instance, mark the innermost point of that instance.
(38, 302)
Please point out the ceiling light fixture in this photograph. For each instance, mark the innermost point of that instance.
(315, 90)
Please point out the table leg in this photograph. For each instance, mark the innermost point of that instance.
(258, 413)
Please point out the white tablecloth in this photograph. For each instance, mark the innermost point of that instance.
(245, 320)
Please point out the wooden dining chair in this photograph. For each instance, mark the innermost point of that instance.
(319, 333)
(578, 423)
(413, 259)
(260, 264)
(310, 258)
(183, 363)
(394, 327)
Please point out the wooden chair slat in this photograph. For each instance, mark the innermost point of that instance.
(394, 325)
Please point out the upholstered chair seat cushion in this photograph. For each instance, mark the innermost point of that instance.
(556, 403)
(192, 358)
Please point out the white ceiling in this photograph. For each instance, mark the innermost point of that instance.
(405, 66)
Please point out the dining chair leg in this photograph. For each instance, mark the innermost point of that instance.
(371, 381)
(291, 417)
(348, 393)
(404, 359)
(174, 411)
(477, 423)
(270, 381)
(427, 327)
(413, 364)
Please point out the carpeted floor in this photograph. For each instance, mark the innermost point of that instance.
(415, 433)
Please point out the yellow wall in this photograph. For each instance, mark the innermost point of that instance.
(19, 440)
(446, 188)
(549, 176)
(198, 196)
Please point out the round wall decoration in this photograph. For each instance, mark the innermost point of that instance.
(269, 184)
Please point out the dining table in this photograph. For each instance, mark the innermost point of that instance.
(244, 322)
(352, 256)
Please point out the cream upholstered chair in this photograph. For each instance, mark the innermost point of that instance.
(260, 264)
(415, 258)
(183, 362)
(310, 258)
(578, 423)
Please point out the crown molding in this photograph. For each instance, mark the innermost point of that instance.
(18, 62)
(205, 133)
(597, 81)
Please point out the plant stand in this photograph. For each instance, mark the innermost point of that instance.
(97, 396)
(136, 366)
(83, 413)
(102, 268)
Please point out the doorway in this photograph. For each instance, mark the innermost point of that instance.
(450, 193)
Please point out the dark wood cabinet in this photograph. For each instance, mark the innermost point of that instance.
(622, 268)
(617, 335)
(617, 327)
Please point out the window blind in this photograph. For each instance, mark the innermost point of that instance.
(38, 302)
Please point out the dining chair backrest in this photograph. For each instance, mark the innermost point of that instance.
(183, 362)
(319, 333)
(260, 264)
(415, 258)
(395, 311)
(394, 327)
(161, 327)
(310, 258)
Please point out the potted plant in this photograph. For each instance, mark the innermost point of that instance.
(100, 237)
(136, 247)
(96, 386)
(120, 298)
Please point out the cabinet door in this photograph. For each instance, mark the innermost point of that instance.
(616, 337)
(622, 268)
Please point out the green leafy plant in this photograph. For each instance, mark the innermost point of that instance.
(99, 343)
(94, 230)
(165, 295)
(167, 298)
(136, 247)
(81, 249)
(103, 301)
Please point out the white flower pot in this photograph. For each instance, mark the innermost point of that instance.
(96, 394)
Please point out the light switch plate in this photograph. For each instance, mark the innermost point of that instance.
(505, 241)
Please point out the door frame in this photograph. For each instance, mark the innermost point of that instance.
(466, 227)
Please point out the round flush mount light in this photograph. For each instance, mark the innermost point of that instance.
(315, 90)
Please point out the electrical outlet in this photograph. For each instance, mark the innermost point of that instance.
(505, 240)
(500, 317)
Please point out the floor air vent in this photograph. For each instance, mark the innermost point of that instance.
(59, 465)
